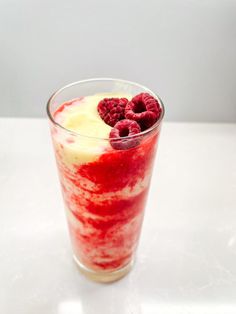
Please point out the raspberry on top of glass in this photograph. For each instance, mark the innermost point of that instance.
(113, 117)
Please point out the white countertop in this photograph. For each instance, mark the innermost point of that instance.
(186, 262)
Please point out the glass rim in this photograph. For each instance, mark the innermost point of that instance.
(74, 133)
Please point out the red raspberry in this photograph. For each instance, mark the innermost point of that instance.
(111, 110)
(144, 109)
(121, 130)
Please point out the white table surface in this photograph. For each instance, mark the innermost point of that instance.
(186, 261)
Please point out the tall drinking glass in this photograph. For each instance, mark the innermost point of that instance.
(104, 189)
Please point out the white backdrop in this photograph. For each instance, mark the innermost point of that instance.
(185, 50)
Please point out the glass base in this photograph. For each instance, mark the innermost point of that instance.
(100, 276)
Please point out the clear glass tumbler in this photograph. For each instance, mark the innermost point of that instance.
(104, 190)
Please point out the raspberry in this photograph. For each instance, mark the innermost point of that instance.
(144, 109)
(111, 110)
(121, 130)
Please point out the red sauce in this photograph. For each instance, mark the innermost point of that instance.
(106, 224)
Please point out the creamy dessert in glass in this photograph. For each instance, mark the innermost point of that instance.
(105, 134)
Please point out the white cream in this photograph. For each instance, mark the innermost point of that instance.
(83, 118)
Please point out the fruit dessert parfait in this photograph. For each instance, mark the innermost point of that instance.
(105, 145)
